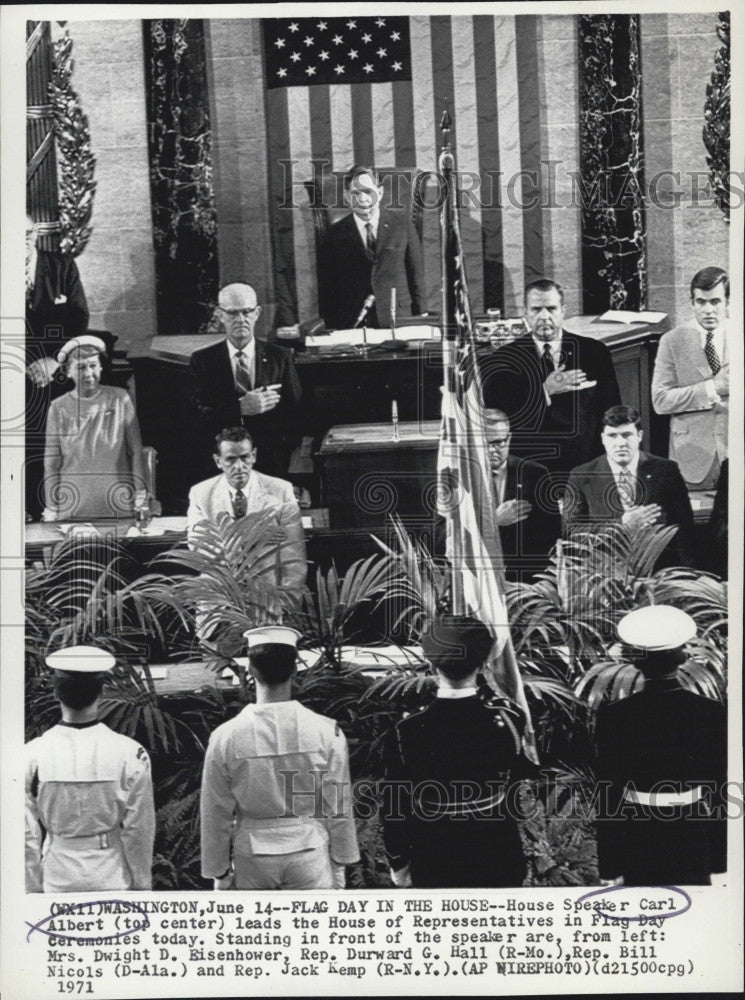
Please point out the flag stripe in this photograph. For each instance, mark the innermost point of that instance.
(341, 126)
(320, 123)
(403, 123)
(298, 115)
(530, 141)
(427, 141)
(464, 100)
(362, 124)
(382, 125)
(442, 76)
(509, 159)
(278, 149)
(488, 135)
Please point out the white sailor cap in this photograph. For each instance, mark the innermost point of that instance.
(85, 340)
(657, 628)
(81, 660)
(272, 634)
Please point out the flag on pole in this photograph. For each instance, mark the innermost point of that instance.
(465, 491)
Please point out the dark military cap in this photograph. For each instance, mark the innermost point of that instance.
(457, 638)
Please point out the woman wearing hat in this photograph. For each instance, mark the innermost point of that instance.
(90, 819)
(93, 454)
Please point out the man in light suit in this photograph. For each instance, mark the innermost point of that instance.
(627, 486)
(527, 514)
(554, 386)
(691, 382)
(369, 252)
(239, 489)
(249, 382)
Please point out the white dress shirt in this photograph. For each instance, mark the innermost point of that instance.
(362, 225)
(249, 352)
(454, 693)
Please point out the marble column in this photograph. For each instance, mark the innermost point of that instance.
(181, 187)
(614, 262)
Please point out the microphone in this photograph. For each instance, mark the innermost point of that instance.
(366, 307)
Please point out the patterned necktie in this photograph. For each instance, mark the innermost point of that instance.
(242, 374)
(371, 242)
(626, 489)
(240, 506)
(711, 354)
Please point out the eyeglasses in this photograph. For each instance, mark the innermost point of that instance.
(499, 442)
(235, 313)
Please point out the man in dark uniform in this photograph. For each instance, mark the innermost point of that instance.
(447, 796)
(662, 762)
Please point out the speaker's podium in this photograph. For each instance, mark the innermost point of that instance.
(370, 471)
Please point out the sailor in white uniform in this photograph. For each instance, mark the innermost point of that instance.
(90, 819)
(276, 805)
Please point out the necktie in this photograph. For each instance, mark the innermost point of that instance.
(711, 354)
(547, 362)
(370, 242)
(242, 374)
(626, 490)
(240, 505)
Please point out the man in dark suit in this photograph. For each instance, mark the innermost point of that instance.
(628, 486)
(554, 386)
(248, 382)
(527, 514)
(370, 252)
(661, 764)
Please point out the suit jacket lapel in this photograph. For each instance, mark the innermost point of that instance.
(510, 485)
(264, 372)
(354, 239)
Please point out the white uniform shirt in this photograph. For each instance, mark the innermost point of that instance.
(91, 790)
(283, 772)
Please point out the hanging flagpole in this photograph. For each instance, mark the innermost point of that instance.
(465, 486)
(450, 344)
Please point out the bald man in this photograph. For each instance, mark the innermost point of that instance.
(248, 382)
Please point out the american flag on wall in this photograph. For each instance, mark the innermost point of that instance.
(465, 490)
(482, 69)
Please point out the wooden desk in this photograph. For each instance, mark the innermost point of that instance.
(366, 474)
(347, 389)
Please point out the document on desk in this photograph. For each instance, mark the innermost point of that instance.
(628, 316)
(358, 338)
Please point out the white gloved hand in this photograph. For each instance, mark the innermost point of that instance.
(49, 514)
(41, 372)
(338, 876)
(402, 878)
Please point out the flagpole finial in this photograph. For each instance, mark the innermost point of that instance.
(445, 126)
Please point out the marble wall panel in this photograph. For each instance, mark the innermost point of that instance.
(611, 157)
(181, 181)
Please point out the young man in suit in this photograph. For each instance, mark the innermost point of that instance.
(691, 382)
(661, 764)
(527, 514)
(240, 489)
(370, 252)
(248, 382)
(628, 486)
(554, 386)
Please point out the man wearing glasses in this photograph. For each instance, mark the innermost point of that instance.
(248, 382)
(527, 514)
